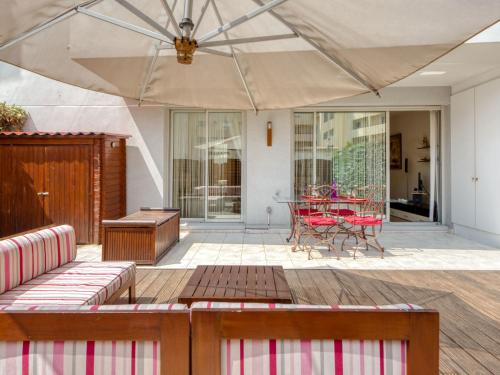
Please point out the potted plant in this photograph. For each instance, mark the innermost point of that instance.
(12, 117)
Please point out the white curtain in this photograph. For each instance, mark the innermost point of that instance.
(189, 155)
(194, 154)
(304, 151)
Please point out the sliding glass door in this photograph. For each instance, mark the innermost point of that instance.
(224, 165)
(207, 155)
(346, 147)
(189, 163)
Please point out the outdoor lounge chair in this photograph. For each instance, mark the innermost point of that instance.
(254, 339)
(97, 340)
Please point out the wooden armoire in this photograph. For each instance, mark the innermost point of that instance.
(61, 178)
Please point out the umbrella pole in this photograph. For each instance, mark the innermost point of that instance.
(187, 22)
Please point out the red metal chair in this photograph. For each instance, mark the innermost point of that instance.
(313, 228)
(370, 216)
(296, 212)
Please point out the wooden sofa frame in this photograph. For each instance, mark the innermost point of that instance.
(171, 329)
(420, 328)
(130, 285)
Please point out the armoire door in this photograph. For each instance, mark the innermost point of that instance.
(68, 182)
(488, 157)
(22, 172)
(463, 185)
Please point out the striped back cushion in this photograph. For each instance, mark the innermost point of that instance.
(25, 257)
(80, 357)
(308, 357)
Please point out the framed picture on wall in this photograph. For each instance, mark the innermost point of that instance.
(396, 151)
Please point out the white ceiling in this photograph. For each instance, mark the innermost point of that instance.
(479, 55)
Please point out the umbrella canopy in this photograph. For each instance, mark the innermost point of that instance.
(231, 54)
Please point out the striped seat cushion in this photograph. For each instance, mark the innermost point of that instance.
(95, 308)
(278, 306)
(25, 257)
(75, 283)
(83, 357)
(308, 357)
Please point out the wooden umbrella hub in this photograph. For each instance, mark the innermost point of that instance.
(185, 49)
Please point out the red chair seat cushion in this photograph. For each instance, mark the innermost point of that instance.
(365, 221)
(305, 211)
(320, 221)
(342, 212)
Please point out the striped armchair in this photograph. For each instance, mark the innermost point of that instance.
(39, 268)
(94, 340)
(251, 339)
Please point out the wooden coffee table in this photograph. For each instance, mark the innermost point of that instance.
(265, 284)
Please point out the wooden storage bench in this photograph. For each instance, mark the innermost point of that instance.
(143, 237)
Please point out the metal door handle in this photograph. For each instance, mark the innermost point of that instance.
(43, 193)
(477, 179)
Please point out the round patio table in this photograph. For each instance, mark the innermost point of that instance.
(312, 201)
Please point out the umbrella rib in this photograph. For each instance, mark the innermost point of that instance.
(171, 16)
(138, 13)
(124, 25)
(235, 59)
(145, 83)
(215, 52)
(247, 89)
(203, 10)
(148, 75)
(256, 39)
(322, 51)
(53, 21)
(246, 17)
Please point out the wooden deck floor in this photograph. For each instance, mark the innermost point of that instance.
(468, 302)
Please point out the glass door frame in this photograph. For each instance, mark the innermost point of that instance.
(243, 163)
(387, 110)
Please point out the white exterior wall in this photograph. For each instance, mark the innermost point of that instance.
(268, 170)
(54, 106)
(476, 204)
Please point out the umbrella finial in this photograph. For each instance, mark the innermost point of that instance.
(185, 49)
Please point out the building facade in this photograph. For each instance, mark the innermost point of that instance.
(216, 165)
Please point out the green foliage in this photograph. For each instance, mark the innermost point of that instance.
(12, 117)
(359, 164)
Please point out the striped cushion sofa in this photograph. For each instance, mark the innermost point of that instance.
(218, 338)
(39, 268)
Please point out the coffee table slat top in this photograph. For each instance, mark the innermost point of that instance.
(237, 284)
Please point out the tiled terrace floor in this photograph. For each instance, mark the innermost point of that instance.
(422, 250)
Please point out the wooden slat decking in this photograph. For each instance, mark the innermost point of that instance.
(468, 302)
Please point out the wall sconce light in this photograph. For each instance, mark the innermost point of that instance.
(269, 133)
(115, 144)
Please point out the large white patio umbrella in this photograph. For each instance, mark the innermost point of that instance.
(235, 54)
